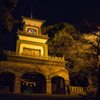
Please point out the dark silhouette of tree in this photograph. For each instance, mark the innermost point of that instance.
(6, 18)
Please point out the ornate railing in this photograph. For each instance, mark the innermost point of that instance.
(76, 90)
(30, 56)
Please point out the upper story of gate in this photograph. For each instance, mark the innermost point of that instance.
(30, 40)
(31, 45)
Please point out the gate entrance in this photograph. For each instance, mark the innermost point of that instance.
(58, 85)
(33, 83)
(6, 82)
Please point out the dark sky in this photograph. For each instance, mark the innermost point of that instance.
(53, 11)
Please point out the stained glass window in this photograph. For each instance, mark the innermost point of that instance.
(32, 31)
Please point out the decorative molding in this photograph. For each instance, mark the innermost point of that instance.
(50, 58)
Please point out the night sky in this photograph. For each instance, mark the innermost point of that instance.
(56, 11)
(53, 11)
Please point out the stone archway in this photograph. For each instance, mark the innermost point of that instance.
(58, 85)
(7, 80)
(33, 82)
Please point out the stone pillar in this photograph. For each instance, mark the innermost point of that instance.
(48, 86)
(17, 85)
(67, 87)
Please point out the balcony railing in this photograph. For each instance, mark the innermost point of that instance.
(75, 90)
(30, 56)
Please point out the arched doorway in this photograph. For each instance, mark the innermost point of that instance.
(7, 82)
(58, 85)
(33, 83)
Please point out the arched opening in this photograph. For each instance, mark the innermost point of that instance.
(7, 82)
(33, 83)
(58, 85)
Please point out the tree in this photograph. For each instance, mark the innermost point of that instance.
(87, 58)
(61, 35)
(66, 40)
(6, 19)
(95, 41)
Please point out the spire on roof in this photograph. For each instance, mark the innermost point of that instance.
(31, 9)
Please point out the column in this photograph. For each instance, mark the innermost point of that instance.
(17, 85)
(48, 87)
(67, 87)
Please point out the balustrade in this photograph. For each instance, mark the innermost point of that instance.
(77, 90)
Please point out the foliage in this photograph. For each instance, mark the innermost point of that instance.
(66, 40)
(6, 19)
(61, 36)
(85, 62)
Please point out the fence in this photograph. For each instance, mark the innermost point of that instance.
(76, 90)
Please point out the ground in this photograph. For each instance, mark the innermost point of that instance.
(15, 96)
